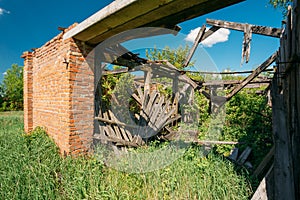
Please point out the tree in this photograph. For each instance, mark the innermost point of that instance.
(174, 56)
(1, 95)
(12, 88)
(282, 4)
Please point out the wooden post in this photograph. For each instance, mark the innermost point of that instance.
(283, 178)
(286, 110)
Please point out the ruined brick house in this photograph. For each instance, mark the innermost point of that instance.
(59, 84)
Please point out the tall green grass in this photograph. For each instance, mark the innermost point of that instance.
(31, 168)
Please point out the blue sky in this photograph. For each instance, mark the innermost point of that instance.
(27, 24)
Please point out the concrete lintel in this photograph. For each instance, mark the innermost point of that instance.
(122, 15)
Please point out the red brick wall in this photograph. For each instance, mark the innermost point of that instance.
(28, 123)
(59, 93)
(81, 85)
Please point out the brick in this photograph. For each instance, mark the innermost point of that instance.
(60, 97)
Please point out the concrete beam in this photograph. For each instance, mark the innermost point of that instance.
(122, 15)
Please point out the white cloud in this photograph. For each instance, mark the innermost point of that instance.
(220, 35)
(3, 11)
(4, 73)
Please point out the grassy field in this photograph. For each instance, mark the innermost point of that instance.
(31, 168)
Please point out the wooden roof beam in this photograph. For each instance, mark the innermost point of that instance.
(224, 73)
(254, 74)
(198, 39)
(261, 30)
(232, 82)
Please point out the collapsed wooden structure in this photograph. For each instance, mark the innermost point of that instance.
(156, 109)
(157, 112)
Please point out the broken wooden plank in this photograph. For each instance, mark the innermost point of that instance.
(127, 134)
(174, 134)
(246, 43)
(114, 122)
(118, 140)
(119, 55)
(233, 82)
(195, 45)
(209, 142)
(136, 98)
(254, 74)
(147, 86)
(265, 190)
(140, 94)
(224, 73)
(116, 71)
(206, 94)
(149, 106)
(243, 157)
(138, 140)
(262, 30)
(160, 122)
(248, 165)
(209, 32)
(116, 128)
(157, 109)
(173, 119)
(267, 159)
(184, 77)
(175, 88)
(234, 154)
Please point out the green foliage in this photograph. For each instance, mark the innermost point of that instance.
(195, 76)
(124, 87)
(31, 168)
(118, 89)
(248, 120)
(107, 85)
(189, 177)
(11, 89)
(281, 4)
(174, 56)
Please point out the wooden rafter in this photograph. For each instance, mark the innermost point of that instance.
(209, 32)
(195, 45)
(232, 82)
(254, 74)
(224, 73)
(202, 35)
(262, 30)
(125, 70)
(119, 55)
(248, 29)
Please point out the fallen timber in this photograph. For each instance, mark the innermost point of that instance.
(157, 112)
